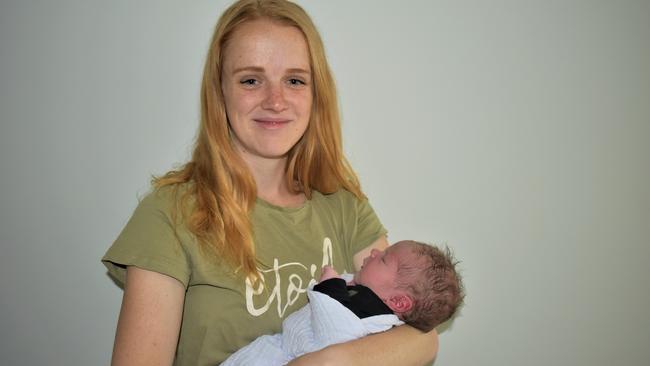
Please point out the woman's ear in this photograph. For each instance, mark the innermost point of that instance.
(400, 303)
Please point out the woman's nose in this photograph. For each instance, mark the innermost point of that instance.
(374, 252)
(274, 99)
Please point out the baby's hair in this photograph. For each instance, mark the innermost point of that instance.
(434, 284)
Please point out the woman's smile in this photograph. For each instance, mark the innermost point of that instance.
(272, 123)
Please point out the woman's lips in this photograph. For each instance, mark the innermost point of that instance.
(271, 123)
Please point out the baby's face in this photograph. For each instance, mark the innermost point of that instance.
(379, 269)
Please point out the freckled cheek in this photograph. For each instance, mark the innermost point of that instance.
(301, 103)
(231, 103)
(247, 103)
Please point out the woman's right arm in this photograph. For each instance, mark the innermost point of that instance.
(150, 319)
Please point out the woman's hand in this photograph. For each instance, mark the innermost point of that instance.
(150, 319)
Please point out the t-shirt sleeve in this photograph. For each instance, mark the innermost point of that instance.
(149, 241)
(366, 228)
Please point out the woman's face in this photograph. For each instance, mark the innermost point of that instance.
(266, 83)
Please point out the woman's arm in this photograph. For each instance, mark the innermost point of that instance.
(402, 345)
(150, 319)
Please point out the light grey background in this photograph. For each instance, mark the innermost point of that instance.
(517, 132)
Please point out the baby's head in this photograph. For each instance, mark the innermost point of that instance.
(417, 281)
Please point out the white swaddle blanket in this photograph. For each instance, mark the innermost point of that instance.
(320, 323)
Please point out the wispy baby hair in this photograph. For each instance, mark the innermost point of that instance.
(432, 280)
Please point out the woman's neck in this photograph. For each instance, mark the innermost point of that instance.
(271, 182)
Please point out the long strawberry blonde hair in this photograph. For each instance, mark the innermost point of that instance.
(222, 191)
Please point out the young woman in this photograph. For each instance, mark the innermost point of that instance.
(224, 248)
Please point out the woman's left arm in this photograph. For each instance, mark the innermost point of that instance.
(403, 345)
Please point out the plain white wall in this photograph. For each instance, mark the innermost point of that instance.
(517, 132)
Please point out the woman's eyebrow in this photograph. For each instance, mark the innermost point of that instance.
(248, 68)
(294, 70)
(298, 71)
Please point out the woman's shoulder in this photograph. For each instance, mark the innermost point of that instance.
(166, 197)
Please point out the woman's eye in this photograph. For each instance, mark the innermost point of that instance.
(296, 82)
(249, 82)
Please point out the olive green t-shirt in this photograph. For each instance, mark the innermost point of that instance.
(222, 313)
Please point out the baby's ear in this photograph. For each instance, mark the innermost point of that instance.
(400, 303)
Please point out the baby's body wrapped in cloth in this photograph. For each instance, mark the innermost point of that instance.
(320, 323)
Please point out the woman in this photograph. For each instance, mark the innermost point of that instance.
(225, 247)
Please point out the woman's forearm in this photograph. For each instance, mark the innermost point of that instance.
(403, 345)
